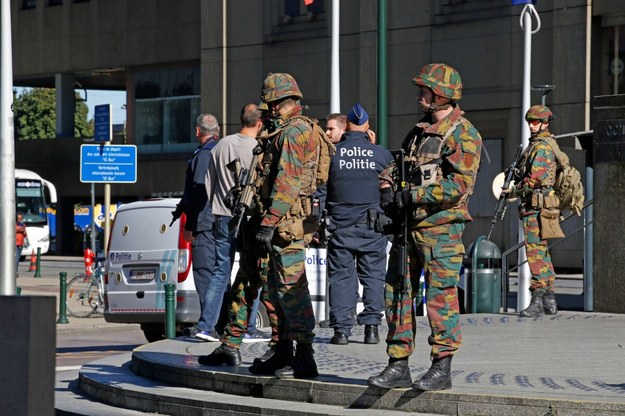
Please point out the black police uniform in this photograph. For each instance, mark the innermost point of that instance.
(357, 247)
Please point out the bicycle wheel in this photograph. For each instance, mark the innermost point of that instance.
(81, 296)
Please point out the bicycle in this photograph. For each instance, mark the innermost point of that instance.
(85, 294)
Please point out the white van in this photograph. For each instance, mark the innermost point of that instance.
(144, 254)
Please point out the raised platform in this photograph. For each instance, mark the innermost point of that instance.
(570, 364)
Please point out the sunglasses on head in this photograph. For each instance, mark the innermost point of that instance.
(535, 122)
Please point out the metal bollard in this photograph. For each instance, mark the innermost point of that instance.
(170, 311)
(38, 269)
(62, 299)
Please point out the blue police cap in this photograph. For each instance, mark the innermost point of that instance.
(357, 115)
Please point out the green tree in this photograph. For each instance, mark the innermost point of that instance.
(34, 112)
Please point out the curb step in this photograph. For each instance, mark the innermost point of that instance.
(109, 387)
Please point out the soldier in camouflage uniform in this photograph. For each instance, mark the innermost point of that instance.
(534, 180)
(442, 160)
(282, 198)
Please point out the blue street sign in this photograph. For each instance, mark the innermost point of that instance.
(108, 163)
(515, 2)
(103, 131)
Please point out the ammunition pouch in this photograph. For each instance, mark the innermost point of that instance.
(549, 217)
(549, 220)
(290, 229)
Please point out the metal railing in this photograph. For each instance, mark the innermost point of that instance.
(505, 272)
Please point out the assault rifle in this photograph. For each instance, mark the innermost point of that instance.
(502, 206)
(400, 241)
(241, 196)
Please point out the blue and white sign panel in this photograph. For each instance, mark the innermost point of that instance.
(101, 163)
(103, 130)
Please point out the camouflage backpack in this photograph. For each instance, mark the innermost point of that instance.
(568, 182)
(317, 176)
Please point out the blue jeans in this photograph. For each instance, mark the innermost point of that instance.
(224, 258)
(210, 291)
(18, 254)
(251, 325)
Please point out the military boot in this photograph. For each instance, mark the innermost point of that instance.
(282, 357)
(267, 355)
(396, 374)
(304, 365)
(222, 355)
(438, 376)
(535, 307)
(550, 307)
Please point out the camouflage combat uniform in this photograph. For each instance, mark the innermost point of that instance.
(251, 276)
(534, 186)
(288, 286)
(435, 241)
(539, 165)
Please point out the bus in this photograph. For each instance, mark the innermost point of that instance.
(34, 197)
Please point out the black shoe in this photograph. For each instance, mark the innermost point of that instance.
(223, 355)
(267, 355)
(304, 365)
(550, 307)
(395, 375)
(371, 334)
(535, 307)
(339, 338)
(282, 357)
(438, 376)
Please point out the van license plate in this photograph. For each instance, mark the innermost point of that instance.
(141, 275)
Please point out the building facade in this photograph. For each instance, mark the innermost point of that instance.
(176, 59)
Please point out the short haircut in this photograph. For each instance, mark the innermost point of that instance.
(250, 114)
(208, 124)
(341, 119)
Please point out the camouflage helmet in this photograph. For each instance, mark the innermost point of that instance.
(442, 79)
(276, 87)
(540, 113)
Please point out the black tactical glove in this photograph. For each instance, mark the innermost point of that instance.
(386, 196)
(402, 199)
(264, 236)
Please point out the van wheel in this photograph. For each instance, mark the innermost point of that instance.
(153, 332)
(262, 318)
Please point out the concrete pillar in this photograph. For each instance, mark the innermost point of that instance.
(28, 345)
(65, 97)
(609, 179)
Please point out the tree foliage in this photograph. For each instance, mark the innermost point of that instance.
(34, 112)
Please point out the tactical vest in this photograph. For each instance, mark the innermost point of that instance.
(302, 221)
(425, 168)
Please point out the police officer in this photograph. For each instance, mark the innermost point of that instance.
(442, 158)
(357, 248)
(534, 183)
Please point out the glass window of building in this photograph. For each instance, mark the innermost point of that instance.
(166, 106)
(612, 61)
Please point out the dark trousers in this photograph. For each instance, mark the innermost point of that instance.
(356, 254)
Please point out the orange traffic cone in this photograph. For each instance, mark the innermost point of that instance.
(33, 262)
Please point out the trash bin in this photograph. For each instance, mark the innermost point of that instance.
(482, 266)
